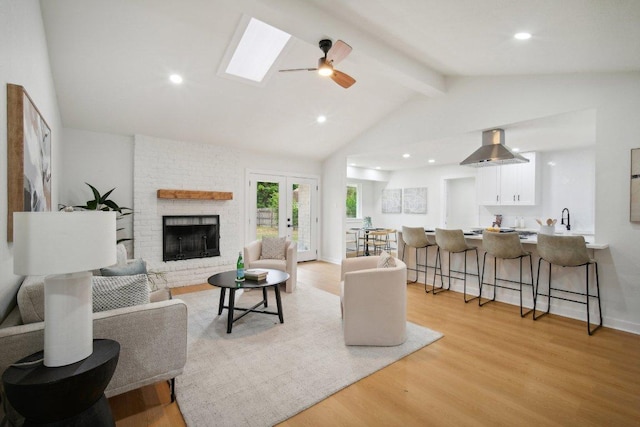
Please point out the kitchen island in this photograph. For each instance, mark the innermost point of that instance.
(569, 279)
(531, 237)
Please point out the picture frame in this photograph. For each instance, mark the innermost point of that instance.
(415, 200)
(28, 157)
(634, 211)
(392, 200)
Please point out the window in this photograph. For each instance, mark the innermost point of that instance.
(354, 201)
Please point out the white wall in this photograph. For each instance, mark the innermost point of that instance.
(333, 208)
(104, 161)
(431, 177)
(569, 183)
(616, 98)
(24, 61)
(161, 163)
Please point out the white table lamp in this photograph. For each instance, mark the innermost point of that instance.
(64, 245)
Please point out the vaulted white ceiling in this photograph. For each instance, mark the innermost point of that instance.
(111, 61)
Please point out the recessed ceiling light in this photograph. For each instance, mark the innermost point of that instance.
(551, 163)
(321, 119)
(378, 167)
(431, 161)
(352, 164)
(406, 155)
(175, 78)
(522, 36)
(516, 150)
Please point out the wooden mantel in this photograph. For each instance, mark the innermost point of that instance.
(194, 195)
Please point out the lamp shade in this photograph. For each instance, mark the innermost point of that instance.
(63, 242)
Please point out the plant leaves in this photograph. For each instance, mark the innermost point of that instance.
(111, 204)
(103, 199)
(96, 193)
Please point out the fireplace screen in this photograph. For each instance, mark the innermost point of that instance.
(186, 237)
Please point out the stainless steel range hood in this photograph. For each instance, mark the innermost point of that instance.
(493, 151)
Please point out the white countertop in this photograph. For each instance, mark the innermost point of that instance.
(533, 239)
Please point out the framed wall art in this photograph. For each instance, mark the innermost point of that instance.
(392, 200)
(635, 185)
(415, 200)
(28, 157)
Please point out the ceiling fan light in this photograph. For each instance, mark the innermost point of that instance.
(324, 68)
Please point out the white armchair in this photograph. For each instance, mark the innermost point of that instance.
(374, 302)
(290, 264)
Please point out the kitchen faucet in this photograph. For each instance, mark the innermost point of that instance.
(568, 223)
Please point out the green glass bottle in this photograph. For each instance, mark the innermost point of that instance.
(240, 268)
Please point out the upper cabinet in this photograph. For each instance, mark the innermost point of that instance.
(488, 185)
(513, 184)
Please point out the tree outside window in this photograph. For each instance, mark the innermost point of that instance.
(352, 201)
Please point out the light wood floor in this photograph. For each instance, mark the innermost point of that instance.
(491, 368)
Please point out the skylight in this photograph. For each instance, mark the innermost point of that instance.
(257, 50)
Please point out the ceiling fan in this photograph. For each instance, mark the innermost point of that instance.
(333, 53)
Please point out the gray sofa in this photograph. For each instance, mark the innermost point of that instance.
(152, 337)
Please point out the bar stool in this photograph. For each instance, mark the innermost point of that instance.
(505, 246)
(416, 238)
(567, 251)
(453, 242)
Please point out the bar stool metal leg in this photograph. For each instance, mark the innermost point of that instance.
(497, 279)
(441, 288)
(465, 274)
(589, 330)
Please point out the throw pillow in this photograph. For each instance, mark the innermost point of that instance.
(131, 268)
(121, 254)
(31, 299)
(119, 291)
(273, 248)
(386, 260)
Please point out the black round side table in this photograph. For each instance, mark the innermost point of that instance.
(71, 395)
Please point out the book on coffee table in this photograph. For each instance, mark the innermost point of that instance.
(256, 274)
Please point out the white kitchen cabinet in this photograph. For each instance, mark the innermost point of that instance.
(505, 185)
(488, 185)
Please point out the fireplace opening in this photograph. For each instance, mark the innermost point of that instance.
(187, 237)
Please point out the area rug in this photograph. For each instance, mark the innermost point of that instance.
(265, 372)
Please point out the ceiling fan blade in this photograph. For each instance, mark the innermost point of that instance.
(342, 79)
(299, 69)
(338, 52)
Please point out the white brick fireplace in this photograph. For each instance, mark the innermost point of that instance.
(165, 164)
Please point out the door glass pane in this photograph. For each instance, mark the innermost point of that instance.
(301, 216)
(267, 204)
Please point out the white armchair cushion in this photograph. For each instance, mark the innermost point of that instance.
(273, 248)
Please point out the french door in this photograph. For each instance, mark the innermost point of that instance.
(281, 205)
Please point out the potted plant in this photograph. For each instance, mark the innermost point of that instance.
(101, 202)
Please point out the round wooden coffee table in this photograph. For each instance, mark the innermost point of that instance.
(227, 280)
